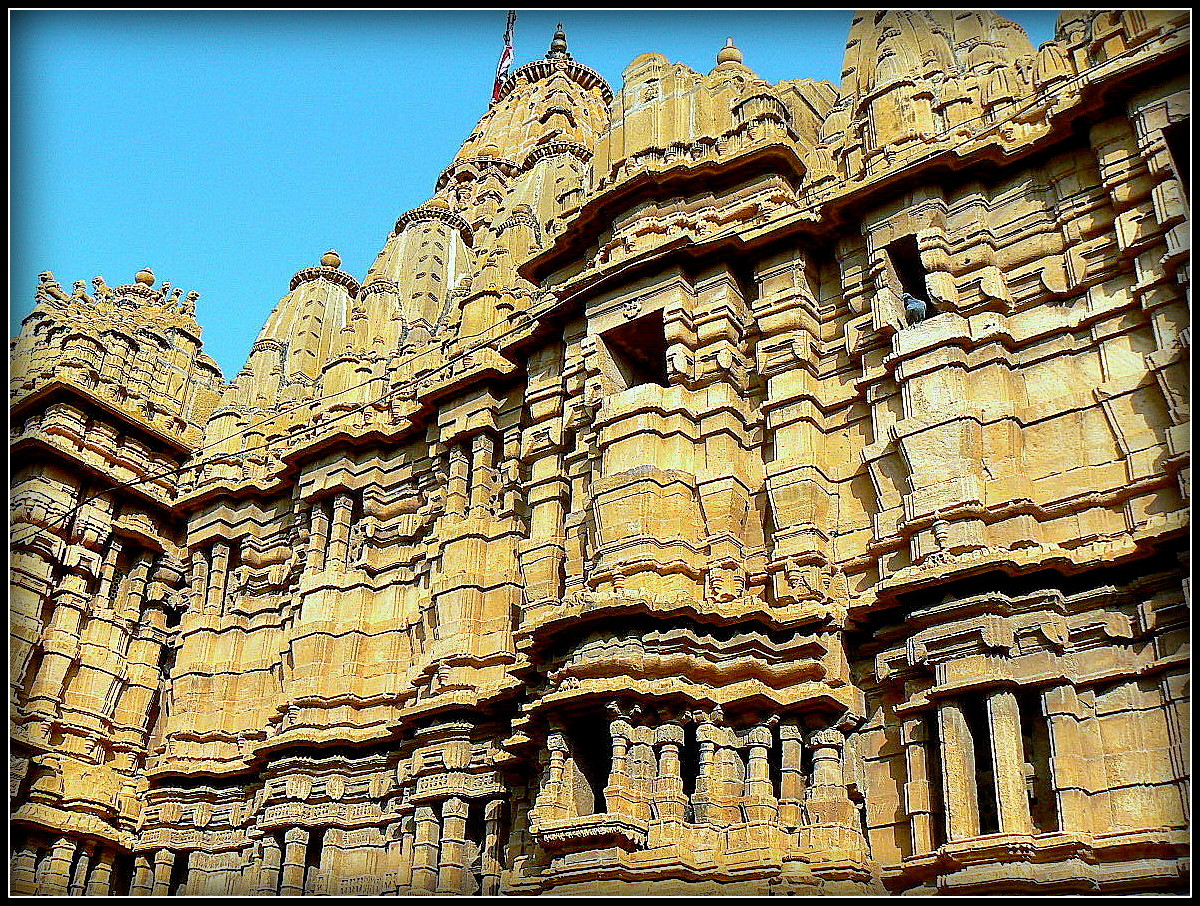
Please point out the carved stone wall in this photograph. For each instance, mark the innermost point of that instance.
(715, 487)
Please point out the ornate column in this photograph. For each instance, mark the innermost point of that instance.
(960, 794)
(143, 876)
(339, 534)
(617, 798)
(917, 801)
(164, 862)
(60, 644)
(452, 861)
(457, 487)
(24, 860)
(214, 600)
(1008, 763)
(493, 865)
(425, 849)
(549, 804)
(79, 875)
(760, 804)
(295, 848)
(828, 801)
(100, 882)
(483, 451)
(318, 537)
(55, 874)
(702, 799)
(791, 786)
(268, 872)
(669, 799)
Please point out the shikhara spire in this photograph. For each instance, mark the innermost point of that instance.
(714, 487)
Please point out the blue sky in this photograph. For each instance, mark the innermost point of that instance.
(227, 150)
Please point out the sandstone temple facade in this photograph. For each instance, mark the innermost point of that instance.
(715, 487)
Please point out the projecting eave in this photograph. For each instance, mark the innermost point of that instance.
(596, 215)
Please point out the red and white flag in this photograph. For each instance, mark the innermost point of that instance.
(506, 57)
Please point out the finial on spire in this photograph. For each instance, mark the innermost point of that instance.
(729, 54)
(331, 259)
(145, 276)
(558, 46)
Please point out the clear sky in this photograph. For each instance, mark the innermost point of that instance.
(227, 150)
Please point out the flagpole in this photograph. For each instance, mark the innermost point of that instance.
(506, 56)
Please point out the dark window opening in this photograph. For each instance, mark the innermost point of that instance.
(906, 262)
(179, 873)
(122, 875)
(981, 736)
(476, 841)
(312, 853)
(1035, 736)
(775, 766)
(689, 768)
(639, 350)
(591, 747)
(1178, 136)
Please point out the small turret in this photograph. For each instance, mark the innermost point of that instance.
(558, 46)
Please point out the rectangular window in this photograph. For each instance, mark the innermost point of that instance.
(639, 350)
(906, 262)
(1178, 136)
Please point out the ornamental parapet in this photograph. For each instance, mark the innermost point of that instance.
(426, 213)
(553, 149)
(584, 76)
(330, 274)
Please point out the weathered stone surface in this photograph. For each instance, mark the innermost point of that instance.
(624, 530)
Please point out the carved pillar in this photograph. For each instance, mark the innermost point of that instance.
(79, 875)
(339, 533)
(1008, 763)
(295, 848)
(960, 793)
(318, 537)
(917, 801)
(164, 862)
(55, 874)
(215, 599)
(669, 799)
(483, 452)
(457, 487)
(828, 801)
(617, 798)
(108, 569)
(702, 799)
(143, 876)
(550, 804)
(1075, 769)
(198, 579)
(60, 644)
(493, 864)
(452, 861)
(760, 803)
(268, 873)
(425, 849)
(791, 786)
(24, 861)
(642, 767)
(100, 882)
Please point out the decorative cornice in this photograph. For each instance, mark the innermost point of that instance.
(485, 162)
(584, 76)
(424, 213)
(553, 149)
(331, 274)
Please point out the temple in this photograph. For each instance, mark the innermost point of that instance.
(716, 487)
